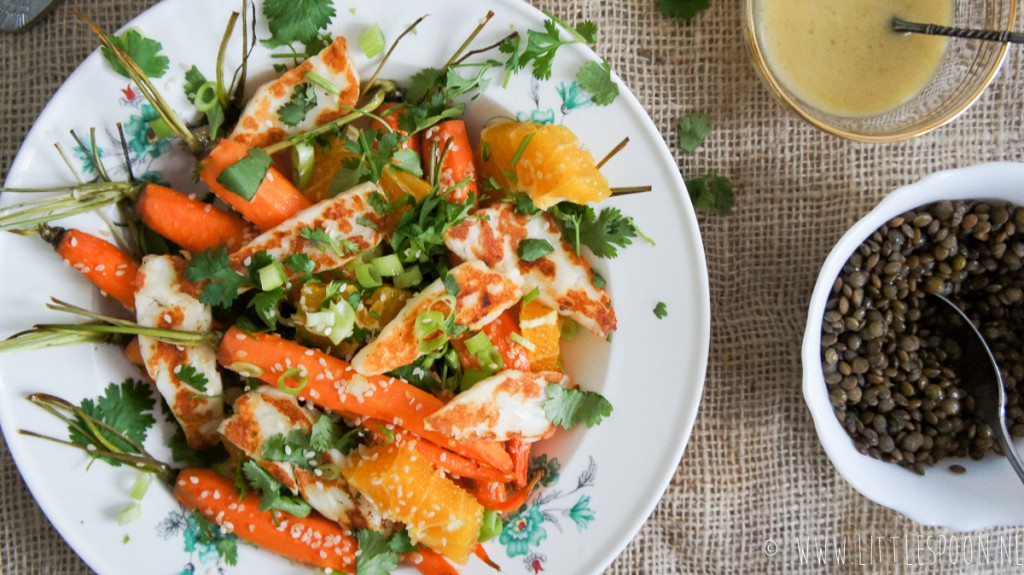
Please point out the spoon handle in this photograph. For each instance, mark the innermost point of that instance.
(899, 25)
(1003, 437)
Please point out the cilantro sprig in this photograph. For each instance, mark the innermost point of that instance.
(145, 52)
(271, 497)
(603, 232)
(294, 111)
(299, 21)
(596, 79)
(711, 193)
(571, 407)
(378, 553)
(683, 9)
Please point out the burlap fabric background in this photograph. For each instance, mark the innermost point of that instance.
(753, 470)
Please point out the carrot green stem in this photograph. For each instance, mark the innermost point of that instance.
(69, 201)
(631, 190)
(222, 91)
(476, 32)
(35, 339)
(113, 325)
(485, 48)
(618, 148)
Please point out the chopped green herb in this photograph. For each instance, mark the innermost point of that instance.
(245, 176)
(531, 250)
(300, 264)
(598, 280)
(294, 111)
(711, 192)
(210, 535)
(660, 310)
(193, 378)
(222, 282)
(270, 490)
(693, 129)
(127, 407)
(297, 20)
(267, 305)
(596, 78)
(376, 557)
(571, 407)
(600, 232)
(685, 9)
(451, 285)
(295, 448)
(144, 51)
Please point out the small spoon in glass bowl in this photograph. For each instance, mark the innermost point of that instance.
(16, 14)
(980, 377)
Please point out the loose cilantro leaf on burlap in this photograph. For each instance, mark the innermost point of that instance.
(711, 192)
(693, 129)
(685, 9)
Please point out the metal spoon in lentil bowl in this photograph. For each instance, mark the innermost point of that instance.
(981, 379)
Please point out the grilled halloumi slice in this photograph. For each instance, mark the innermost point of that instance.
(507, 405)
(483, 294)
(165, 298)
(259, 124)
(563, 279)
(263, 413)
(339, 217)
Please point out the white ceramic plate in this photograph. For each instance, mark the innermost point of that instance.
(989, 493)
(610, 477)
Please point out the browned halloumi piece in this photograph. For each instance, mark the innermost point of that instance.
(483, 295)
(166, 299)
(338, 217)
(563, 279)
(263, 413)
(259, 124)
(507, 405)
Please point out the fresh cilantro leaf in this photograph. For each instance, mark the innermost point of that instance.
(693, 129)
(270, 489)
(376, 557)
(294, 111)
(540, 50)
(407, 160)
(711, 192)
(588, 31)
(245, 176)
(145, 52)
(365, 222)
(298, 20)
(222, 282)
(267, 306)
(418, 238)
(660, 310)
(228, 549)
(194, 80)
(351, 440)
(127, 408)
(300, 264)
(379, 203)
(596, 78)
(325, 434)
(525, 205)
(422, 83)
(685, 9)
(257, 262)
(457, 85)
(208, 534)
(599, 280)
(215, 119)
(188, 457)
(192, 377)
(451, 285)
(318, 237)
(610, 229)
(531, 250)
(294, 448)
(571, 407)
(400, 542)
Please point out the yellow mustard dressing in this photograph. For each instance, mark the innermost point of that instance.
(841, 57)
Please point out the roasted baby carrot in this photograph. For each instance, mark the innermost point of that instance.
(190, 223)
(429, 562)
(134, 353)
(500, 333)
(275, 201)
(333, 385)
(106, 265)
(520, 453)
(494, 496)
(313, 540)
(456, 172)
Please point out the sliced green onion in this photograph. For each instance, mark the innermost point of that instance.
(491, 360)
(522, 341)
(473, 376)
(428, 322)
(324, 83)
(206, 97)
(434, 343)
(272, 276)
(328, 471)
(567, 329)
(130, 514)
(372, 41)
(319, 322)
(344, 321)
(294, 375)
(368, 276)
(303, 155)
(387, 266)
(491, 526)
(141, 486)
(522, 148)
(479, 343)
(246, 369)
(531, 296)
(409, 278)
(389, 436)
(160, 130)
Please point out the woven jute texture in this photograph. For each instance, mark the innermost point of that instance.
(754, 470)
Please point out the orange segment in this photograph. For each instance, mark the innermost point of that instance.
(327, 162)
(539, 325)
(406, 488)
(551, 167)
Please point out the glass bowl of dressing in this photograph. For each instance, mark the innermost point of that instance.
(838, 65)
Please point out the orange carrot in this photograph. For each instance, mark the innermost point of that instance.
(442, 458)
(458, 162)
(494, 496)
(429, 562)
(314, 540)
(134, 353)
(482, 555)
(190, 223)
(112, 270)
(335, 386)
(392, 118)
(500, 333)
(275, 201)
(520, 452)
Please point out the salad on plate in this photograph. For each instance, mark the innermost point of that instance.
(357, 332)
